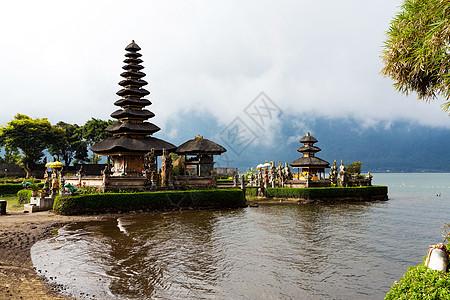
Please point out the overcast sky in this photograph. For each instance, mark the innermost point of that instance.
(62, 59)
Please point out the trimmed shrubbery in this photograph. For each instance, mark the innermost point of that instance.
(115, 202)
(420, 282)
(23, 196)
(363, 192)
(10, 188)
(327, 192)
(13, 188)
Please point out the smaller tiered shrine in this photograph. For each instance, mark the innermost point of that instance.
(312, 167)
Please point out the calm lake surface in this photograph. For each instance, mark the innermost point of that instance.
(339, 251)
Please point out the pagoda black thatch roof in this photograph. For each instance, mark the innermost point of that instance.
(308, 139)
(132, 113)
(131, 101)
(131, 133)
(199, 145)
(121, 127)
(118, 144)
(309, 162)
(308, 149)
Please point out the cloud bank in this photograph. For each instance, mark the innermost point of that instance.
(62, 60)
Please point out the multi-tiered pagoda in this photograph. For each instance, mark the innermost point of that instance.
(131, 138)
(312, 166)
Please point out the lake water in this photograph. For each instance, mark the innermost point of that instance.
(339, 251)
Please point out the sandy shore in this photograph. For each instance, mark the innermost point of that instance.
(18, 232)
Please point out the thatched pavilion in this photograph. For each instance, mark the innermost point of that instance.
(312, 167)
(132, 135)
(201, 153)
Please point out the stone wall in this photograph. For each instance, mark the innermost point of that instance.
(226, 171)
(8, 170)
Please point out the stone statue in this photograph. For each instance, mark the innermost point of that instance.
(169, 171)
(235, 180)
(333, 173)
(342, 174)
(280, 178)
(164, 169)
(272, 175)
(105, 175)
(369, 178)
(149, 169)
(287, 172)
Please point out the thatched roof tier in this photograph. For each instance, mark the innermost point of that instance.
(132, 74)
(132, 67)
(308, 149)
(133, 102)
(199, 145)
(133, 82)
(129, 113)
(140, 128)
(133, 61)
(131, 92)
(124, 144)
(308, 139)
(132, 47)
(133, 55)
(309, 162)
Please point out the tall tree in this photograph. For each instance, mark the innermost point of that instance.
(417, 50)
(69, 146)
(93, 131)
(31, 137)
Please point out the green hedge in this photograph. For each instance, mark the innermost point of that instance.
(420, 282)
(13, 188)
(364, 192)
(23, 196)
(115, 202)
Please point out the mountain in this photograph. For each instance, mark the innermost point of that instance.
(397, 146)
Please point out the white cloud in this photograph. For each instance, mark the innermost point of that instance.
(63, 59)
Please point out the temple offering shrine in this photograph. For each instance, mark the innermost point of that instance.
(132, 135)
(312, 167)
(200, 152)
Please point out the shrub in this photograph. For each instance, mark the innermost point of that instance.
(252, 192)
(364, 192)
(114, 202)
(420, 282)
(12, 188)
(23, 196)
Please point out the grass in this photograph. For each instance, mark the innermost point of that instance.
(12, 203)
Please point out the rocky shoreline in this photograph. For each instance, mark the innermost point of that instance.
(18, 233)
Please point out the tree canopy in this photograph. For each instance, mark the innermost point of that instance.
(354, 168)
(31, 137)
(93, 131)
(417, 50)
(69, 145)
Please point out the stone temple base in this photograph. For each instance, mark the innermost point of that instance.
(39, 204)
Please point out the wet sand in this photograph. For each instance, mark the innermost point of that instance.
(18, 232)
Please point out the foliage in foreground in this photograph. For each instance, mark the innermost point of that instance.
(417, 50)
(115, 202)
(420, 282)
